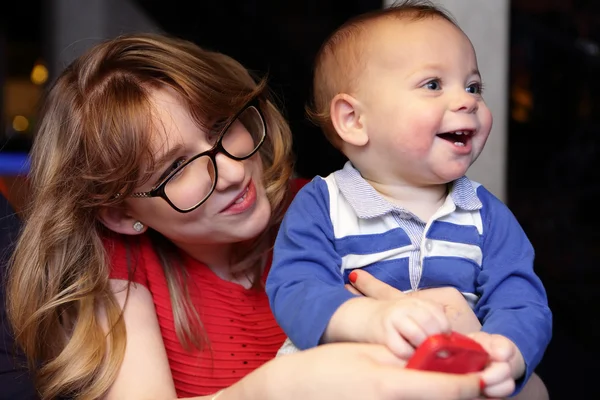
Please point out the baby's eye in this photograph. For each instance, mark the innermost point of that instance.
(475, 88)
(434, 84)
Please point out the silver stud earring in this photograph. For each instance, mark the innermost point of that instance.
(138, 226)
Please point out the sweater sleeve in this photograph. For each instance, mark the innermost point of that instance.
(513, 301)
(305, 285)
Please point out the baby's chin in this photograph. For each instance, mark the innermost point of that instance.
(450, 175)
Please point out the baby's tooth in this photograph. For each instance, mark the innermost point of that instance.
(459, 144)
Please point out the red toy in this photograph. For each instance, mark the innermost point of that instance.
(452, 353)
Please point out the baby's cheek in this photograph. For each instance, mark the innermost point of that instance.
(415, 146)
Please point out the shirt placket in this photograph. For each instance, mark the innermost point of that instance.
(414, 229)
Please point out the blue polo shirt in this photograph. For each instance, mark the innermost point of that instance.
(472, 243)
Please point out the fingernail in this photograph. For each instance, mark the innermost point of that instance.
(481, 385)
(352, 277)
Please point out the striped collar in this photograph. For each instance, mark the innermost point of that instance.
(368, 203)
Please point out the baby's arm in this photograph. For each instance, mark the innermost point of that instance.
(512, 301)
(305, 285)
(459, 313)
(401, 324)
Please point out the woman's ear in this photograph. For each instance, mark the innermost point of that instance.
(348, 120)
(118, 220)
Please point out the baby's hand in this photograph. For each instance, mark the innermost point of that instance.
(405, 323)
(506, 366)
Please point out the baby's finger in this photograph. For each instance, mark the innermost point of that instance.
(431, 317)
(483, 338)
(398, 345)
(410, 329)
(501, 349)
(495, 373)
(500, 390)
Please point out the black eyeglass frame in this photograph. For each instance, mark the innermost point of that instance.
(159, 190)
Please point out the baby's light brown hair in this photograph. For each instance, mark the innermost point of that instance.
(340, 60)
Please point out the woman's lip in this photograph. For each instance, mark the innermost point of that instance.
(250, 196)
(236, 198)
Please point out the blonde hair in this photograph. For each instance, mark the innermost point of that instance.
(341, 58)
(92, 140)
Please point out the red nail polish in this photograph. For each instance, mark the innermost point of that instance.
(352, 277)
(481, 384)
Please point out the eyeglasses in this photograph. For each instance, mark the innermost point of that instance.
(188, 185)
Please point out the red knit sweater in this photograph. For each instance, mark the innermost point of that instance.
(241, 329)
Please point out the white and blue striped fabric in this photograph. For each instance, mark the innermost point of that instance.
(473, 243)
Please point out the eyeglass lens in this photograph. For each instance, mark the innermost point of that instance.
(196, 181)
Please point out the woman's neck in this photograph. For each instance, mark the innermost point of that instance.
(219, 258)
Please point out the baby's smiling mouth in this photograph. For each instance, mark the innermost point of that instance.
(458, 138)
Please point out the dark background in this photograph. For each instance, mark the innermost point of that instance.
(553, 138)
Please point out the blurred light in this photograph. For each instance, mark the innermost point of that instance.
(520, 114)
(522, 96)
(522, 103)
(20, 123)
(39, 74)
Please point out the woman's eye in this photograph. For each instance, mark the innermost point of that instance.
(474, 88)
(433, 85)
(217, 128)
(176, 164)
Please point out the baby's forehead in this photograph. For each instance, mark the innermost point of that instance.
(396, 39)
(405, 30)
(382, 37)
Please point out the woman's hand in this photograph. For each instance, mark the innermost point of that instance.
(349, 371)
(457, 310)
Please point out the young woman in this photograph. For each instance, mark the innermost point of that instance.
(159, 175)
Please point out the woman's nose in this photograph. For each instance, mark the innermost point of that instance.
(230, 172)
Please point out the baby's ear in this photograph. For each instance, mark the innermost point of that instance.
(348, 120)
(118, 220)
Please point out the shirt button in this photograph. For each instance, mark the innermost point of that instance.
(428, 245)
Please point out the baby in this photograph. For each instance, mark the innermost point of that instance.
(399, 92)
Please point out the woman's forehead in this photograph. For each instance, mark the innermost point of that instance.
(171, 118)
(169, 109)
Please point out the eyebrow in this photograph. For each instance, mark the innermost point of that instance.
(162, 160)
(475, 71)
(438, 67)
